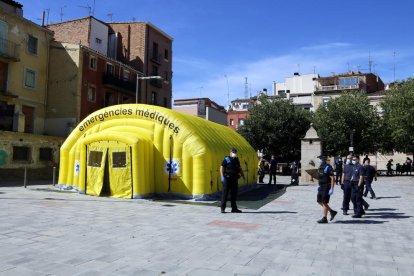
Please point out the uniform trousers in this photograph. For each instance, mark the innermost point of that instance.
(368, 188)
(232, 186)
(347, 195)
(357, 199)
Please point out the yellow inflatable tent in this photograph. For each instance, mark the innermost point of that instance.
(137, 151)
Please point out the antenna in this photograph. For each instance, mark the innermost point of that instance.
(110, 14)
(246, 88)
(228, 90)
(394, 54)
(61, 13)
(369, 62)
(93, 8)
(87, 7)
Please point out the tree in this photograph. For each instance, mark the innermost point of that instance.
(348, 117)
(398, 114)
(276, 128)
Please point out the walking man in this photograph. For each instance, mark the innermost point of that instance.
(325, 189)
(230, 171)
(272, 170)
(346, 184)
(370, 175)
(357, 182)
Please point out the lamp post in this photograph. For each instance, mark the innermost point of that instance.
(144, 78)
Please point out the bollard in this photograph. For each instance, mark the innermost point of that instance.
(25, 176)
(54, 175)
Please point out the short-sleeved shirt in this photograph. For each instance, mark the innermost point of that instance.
(231, 166)
(358, 171)
(348, 171)
(325, 173)
(370, 172)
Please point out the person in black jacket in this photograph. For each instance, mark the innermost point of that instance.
(230, 171)
(272, 170)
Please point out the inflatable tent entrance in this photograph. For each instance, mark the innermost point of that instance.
(136, 151)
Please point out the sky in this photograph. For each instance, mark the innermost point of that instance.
(219, 43)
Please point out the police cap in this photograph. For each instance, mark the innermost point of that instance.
(322, 157)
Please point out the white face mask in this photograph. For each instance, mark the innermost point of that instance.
(233, 154)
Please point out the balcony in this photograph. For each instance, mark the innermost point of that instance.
(116, 83)
(156, 57)
(337, 87)
(9, 50)
(156, 82)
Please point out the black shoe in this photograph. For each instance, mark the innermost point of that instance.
(223, 211)
(362, 212)
(365, 195)
(236, 211)
(323, 220)
(345, 213)
(373, 197)
(333, 214)
(356, 216)
(366, 207)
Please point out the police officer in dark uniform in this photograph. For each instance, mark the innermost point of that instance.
(346, 184)
(357, 184)
(338, 170)
(325, 189)
(230, 172)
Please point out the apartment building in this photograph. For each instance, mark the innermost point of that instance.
(24, 54)
(203, 108)
(139, 45)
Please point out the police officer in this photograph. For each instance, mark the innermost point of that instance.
(357, 184)
(346, 184)
(370, 175)
(325, 189)
(338, 170)
(230, 171)
(272, 170)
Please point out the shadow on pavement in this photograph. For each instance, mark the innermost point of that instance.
(260, 196)
(360, 221)
(383, 197)
(386, 215)
(270, 212)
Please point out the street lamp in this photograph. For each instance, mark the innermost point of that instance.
(144, 78)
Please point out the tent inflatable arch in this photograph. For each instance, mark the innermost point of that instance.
(137, 151)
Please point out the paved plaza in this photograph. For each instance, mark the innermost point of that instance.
(45, 232)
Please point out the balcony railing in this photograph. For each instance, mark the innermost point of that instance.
(9, 50)
(156, 82)
(337, 87)
(116, 82)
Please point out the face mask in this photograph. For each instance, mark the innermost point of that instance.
(234, 155)
(320, 161)
(353, 162)
(348, 161)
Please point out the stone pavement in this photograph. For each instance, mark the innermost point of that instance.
(44, 232)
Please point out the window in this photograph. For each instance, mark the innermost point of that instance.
(45, 154)
(92, 62)
(109, 99)
(165, 102)
(21, 153)
(232, 122)
(154, 70)
(119, 159)
(32, 45)
(30, 78)
(241, 122)
(95, 159)
(154, 98)
(125, 75)
(325, 101)
(245, 106)
(91, 93)
(349, 81)
(109, 69)
(166, 54)
(98, 40)
(155, 50)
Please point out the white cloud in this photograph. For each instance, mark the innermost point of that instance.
(324, 59)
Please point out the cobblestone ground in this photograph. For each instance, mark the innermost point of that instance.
(44, 232)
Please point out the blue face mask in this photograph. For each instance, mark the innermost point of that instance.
(353, 162)
(320, 161)
(348, 161)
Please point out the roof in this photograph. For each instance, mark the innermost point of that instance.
(146, 23)
(13, 3)
(195, 100)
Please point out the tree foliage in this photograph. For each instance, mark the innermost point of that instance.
(349, 113)
(276, 127)
(398, 115)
